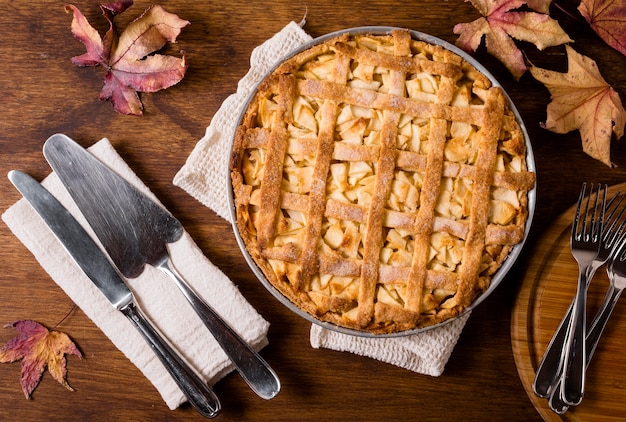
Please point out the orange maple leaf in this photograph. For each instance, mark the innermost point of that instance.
(583, 100)
(131, 65)
(38, 348)
(608, 19)
(502, 22)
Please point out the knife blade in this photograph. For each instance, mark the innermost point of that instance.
(135, 231)
(94, 263)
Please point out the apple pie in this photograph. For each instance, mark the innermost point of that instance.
(379, 181)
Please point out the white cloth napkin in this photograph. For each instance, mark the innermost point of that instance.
(204, 177)
(155, 293)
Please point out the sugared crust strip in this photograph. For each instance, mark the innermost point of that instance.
(494, 234)
(399, 63)
(424, 221)
(382, 101)
(406, 160)
(317, 194)
(272, 175)
(485, 163)
(384, 177)
(426, 214)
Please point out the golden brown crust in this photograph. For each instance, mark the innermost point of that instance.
(379, 182)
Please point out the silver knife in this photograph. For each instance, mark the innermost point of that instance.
(101, 272)
(135, 231)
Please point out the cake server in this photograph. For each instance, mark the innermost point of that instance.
(93, 262)
(135, 231)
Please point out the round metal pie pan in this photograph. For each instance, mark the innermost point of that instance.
(500, 273)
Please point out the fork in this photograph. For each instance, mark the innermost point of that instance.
(550, 367)
(585, 244)
(617, 278)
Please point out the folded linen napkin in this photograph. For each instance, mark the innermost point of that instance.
(155, 293)
(204, 177)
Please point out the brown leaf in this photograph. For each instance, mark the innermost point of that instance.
(38, 348)
(608, 19)
(582, 100)
(501, 23)
(541, 6)
(129, 58)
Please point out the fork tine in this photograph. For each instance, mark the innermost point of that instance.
(577, 214)
(615, 231)
(599, 219)
(596, 215)
(620, 254)
(617, 196)
(612, 218)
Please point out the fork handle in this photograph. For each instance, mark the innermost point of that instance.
(556, 400)
(593, 337)
(600, 320)
(552, 363)
(574, 362)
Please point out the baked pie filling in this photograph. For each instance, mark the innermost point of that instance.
(379, 181)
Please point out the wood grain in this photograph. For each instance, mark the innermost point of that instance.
(546, 292)
(42, 93)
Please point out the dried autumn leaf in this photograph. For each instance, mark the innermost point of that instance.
(541, 6)
(131, 65)
(608, 19)
(501, 23)
(38, 348)
(582, 100)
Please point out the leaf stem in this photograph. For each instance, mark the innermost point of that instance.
(67, 315)
(568, 14)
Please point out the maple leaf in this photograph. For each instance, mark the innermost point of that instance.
(608, 19)
(38, 348)
(542, 6)
(501, 23)
(581, 99)
(131, 65)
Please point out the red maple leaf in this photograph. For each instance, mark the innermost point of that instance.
(608, 19)
(38, 348)
(131, 65)
(502, 22)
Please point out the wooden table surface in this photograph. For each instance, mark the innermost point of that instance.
(42, 93)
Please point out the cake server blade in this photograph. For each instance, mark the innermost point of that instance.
(101, 272)
(135, 231)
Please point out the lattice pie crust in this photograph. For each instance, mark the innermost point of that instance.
(379, 181)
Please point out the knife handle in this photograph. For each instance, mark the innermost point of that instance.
(199, 394)
(251, 366)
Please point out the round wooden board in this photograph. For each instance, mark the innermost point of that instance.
(548, 288)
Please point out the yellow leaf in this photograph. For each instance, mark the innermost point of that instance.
(582, 100)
